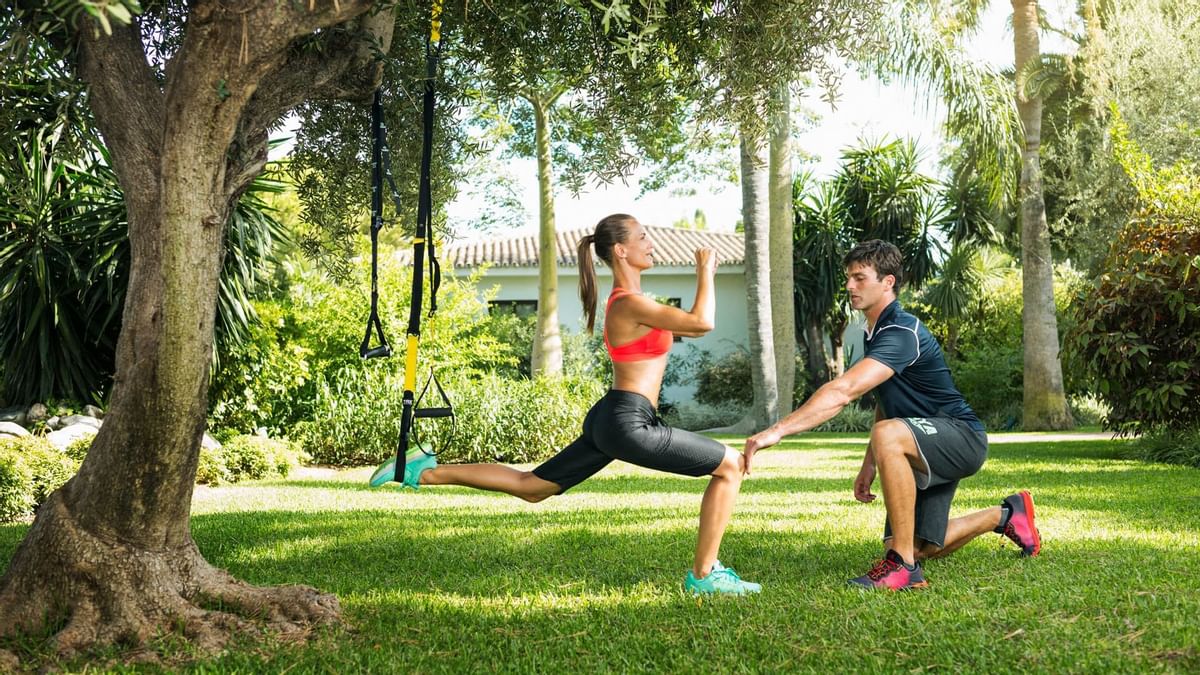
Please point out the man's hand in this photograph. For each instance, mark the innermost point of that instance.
(862, 483)
(706, 260)
(763, 439)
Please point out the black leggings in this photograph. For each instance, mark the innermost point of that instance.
(624, 425)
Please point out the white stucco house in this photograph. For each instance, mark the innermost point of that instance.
(512, 267)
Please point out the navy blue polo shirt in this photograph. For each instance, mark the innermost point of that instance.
(921, 385)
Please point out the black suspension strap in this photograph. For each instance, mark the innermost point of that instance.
(379, 169)
(422, 238)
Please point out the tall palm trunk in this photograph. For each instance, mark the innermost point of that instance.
(756, 218)
(783, 322)
(1045, 405)
(547, 358)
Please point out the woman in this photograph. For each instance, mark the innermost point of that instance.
(625, 424)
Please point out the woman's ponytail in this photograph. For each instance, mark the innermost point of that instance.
(610, 231)
(587, 280)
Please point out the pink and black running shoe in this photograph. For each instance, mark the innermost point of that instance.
(1021, 528)
(892, 574)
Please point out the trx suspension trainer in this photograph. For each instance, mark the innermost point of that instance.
(381, 164)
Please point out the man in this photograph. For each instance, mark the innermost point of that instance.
(925, 437)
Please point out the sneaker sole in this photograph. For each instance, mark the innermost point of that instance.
(1027, 499)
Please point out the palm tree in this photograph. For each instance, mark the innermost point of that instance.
(783, 323)
(1045, 405)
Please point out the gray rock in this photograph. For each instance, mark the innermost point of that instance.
(15, 414)
(261, 431)
(68, 435)
(71, 420)
(12, 429)
(37, 412)
(93, 411)
(54, 423)
(209, 443)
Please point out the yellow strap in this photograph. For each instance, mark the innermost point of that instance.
(435, 28)
(418, 240)
(410, 365)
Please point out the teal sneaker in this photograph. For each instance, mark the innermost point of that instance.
(720, 580)
(417, 462)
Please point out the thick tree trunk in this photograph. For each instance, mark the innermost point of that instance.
(783, 322)
(547, 358)
(756, 219)
(110, 555)
(1045, 405)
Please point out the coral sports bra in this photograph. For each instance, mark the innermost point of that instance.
(653, 344)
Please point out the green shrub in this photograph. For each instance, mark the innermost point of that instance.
(16, 486)
(1088, 410)
(310, 338)
(257, 457)
(41, 468)
(355, 418)
(79, 449)
(49, 468)
(702, 416)
(212, 470)
(1138, 331)
(991, 379)
(514, 421)
(851, 419)
(1172, 446)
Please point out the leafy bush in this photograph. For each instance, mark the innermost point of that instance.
(305, 348)
(212, 470)
(49, 468)
(357, 418)
(255, 457)
(30, 469)
(16, 487)
(79, 449)
(247, 457)
(701, 416)
(1172, 446)
(1138, 328)
(852, 418)
(1088, 410)
(991, 379)
(516, 421)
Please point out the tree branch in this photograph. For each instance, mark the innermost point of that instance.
(344, 65)
(127, 102)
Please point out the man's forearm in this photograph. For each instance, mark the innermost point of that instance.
(823, 405)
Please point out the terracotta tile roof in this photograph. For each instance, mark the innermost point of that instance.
(671, 247)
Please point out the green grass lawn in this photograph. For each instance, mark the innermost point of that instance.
(450, 579)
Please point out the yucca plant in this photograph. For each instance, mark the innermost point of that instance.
(64, 262)
(63, 266)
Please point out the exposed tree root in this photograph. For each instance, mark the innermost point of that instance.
(114, 593)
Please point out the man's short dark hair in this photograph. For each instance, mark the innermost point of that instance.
(883, 256)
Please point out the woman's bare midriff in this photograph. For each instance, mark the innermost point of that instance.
(640, 377)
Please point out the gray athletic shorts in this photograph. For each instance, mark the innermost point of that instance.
(952, 450)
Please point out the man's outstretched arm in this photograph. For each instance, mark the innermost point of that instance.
(823, 405)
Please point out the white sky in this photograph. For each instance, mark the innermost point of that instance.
(866, 109)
